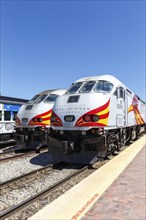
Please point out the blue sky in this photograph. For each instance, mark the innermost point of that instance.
(50, 44)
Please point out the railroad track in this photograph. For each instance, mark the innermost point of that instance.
(61, 186)
(5, 156)
(9, 184)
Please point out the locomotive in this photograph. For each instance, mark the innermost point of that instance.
(32, 125)
(95, 118)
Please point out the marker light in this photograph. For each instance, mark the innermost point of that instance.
(86, 118)
(34, 119)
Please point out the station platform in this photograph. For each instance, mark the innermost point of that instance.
(116, 191)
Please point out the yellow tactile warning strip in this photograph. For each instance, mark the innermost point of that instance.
(77, 201)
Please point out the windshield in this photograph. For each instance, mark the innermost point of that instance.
(51, 98)
(75, 87)
(38, 98)
(33, 99)
(103, 86)
(87, 87)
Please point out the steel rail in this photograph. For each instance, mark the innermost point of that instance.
(23, 176)
(18, 155)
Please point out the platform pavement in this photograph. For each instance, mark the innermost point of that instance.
(125, 199)
(115, 191)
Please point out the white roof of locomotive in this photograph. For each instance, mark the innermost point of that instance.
(109, 78)
(53, 91)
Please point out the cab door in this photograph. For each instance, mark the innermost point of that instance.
(121, 107)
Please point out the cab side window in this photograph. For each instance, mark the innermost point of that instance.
(120, 93)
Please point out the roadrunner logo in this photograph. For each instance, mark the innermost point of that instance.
(134, 107)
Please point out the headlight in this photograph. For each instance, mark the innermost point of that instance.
(95, 118)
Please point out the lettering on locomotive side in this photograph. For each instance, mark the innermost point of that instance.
(73, 108)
